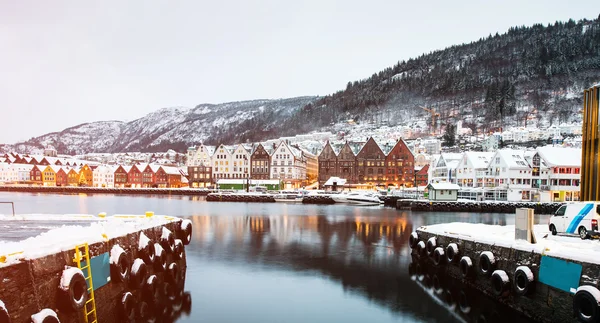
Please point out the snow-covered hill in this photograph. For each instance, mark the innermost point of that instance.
(175, 128)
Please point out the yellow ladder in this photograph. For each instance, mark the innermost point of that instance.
(88, 270)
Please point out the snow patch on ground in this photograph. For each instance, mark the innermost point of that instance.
(565, 247)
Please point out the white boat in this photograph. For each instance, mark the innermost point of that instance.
(363, 199)
(288, 197)
(339, 197)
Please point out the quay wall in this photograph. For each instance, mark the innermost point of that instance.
(544, 303)
(29, 286)
(105, 190)
(476, 206)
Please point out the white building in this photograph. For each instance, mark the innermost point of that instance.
(103, 176)
(23, 172)
(490, 143)
(288, 165)
(222, 162)
(432, 146)
(472, 168)
(510, 170)
(240, 162)
(564, 172)
(200, 156)
(444, 168)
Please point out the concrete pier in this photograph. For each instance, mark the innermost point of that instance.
(477, 258)
(32, 284)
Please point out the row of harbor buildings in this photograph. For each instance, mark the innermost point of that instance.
(52, 171)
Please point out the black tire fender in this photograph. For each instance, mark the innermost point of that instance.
(160, 259)
(167, 240)
(586, 304)
(500, 283)
(146, 247)
(185, 234)
(139, 274)
(173, 274)
(421, 249)
(452, 252)
(487, 263)
(127, 307)
(431, 245)
(523, 281)
(119, 264)
(439, 256)
(73, 288)
(466, 267)
(413, 239)
(178, 249)
(151, 289)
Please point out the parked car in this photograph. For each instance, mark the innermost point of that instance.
(576, 218)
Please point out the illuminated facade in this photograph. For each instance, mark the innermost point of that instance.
(590, 170)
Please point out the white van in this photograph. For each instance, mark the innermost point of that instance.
(576, 218)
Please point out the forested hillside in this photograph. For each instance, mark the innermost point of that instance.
(530, 73)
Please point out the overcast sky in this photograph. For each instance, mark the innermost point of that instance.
(63, 63)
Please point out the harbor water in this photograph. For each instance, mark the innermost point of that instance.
(278, 262)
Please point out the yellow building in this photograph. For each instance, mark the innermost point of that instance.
(590, 167)
(48, 176)
(86, 176)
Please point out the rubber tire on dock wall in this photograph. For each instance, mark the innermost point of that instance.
(138, 279)
(521, 282)
(413, 240)
(70, 299)
(487, 265)
(120, 271)
(178, 249)
(452, 252)
(151, 289)
(173, 274)
(584, 301)
(186, 234)
(149, 253)
(127, 307)
(466, 267)
(500, 287)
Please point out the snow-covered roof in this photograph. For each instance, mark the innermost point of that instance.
(560, 156)
(444, 186)
(514, 158)
(171, 170)
(479, 159)
(337, 180)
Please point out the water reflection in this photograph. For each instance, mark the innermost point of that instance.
(272, 262)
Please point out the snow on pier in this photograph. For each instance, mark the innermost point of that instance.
(561, 246)
(36, 235)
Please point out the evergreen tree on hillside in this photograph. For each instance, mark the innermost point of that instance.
(449, 138)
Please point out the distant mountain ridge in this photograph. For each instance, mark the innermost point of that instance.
(528, 74)
(167, 128)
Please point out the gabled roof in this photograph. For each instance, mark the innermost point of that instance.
(443, 186)
(479, 159)
(339, 181)
(424, 170)
(513, 158)
(560, 156)
(169, 170)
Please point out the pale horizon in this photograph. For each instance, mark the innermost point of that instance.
(68, 63)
